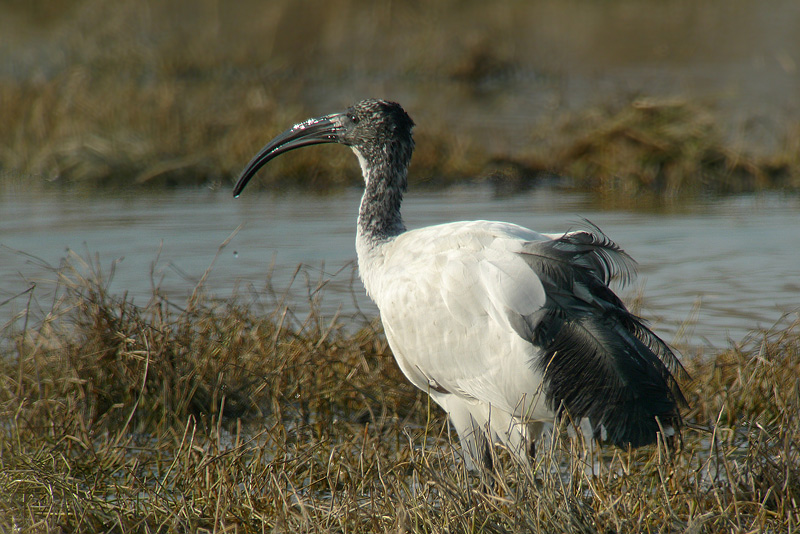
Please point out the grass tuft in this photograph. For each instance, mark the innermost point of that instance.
(666, 148)
(233, 415)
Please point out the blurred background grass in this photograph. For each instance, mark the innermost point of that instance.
(623, 97)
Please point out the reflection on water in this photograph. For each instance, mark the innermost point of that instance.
(736, 259)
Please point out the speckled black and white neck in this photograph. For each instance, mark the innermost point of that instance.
(379, 215)
(383, 143)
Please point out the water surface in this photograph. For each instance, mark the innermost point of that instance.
(720, 267)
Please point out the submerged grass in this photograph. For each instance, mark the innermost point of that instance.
(236, 416)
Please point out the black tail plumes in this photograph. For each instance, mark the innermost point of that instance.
(600, 361)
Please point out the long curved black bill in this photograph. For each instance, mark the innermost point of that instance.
(311, 132)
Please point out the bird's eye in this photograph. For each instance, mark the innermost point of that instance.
(353, 118)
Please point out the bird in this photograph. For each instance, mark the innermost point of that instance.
(505, 328)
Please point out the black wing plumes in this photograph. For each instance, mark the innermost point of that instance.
(600, 360)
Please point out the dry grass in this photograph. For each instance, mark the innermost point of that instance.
(235, 416)
(180, 93)
(666, 148)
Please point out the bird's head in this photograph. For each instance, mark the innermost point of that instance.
(378, 131)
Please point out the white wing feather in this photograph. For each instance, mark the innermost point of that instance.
(478, 283)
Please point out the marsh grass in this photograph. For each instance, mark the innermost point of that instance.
(234, 415)
(181, 94)
(658, 146)
(72, 130)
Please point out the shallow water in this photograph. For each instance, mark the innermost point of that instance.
(724, 266)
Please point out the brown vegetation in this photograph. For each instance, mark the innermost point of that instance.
(179, 93)
(235, 416)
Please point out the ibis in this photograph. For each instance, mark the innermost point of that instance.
(505, 328)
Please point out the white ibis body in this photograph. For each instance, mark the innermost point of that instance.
(505, 328)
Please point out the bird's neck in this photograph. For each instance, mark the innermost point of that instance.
(379, 219)
(379, 216)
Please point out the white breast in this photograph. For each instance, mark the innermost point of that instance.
(447, 295)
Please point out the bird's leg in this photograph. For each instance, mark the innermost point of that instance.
(489, 483)
(488, 459)
(534, 432)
